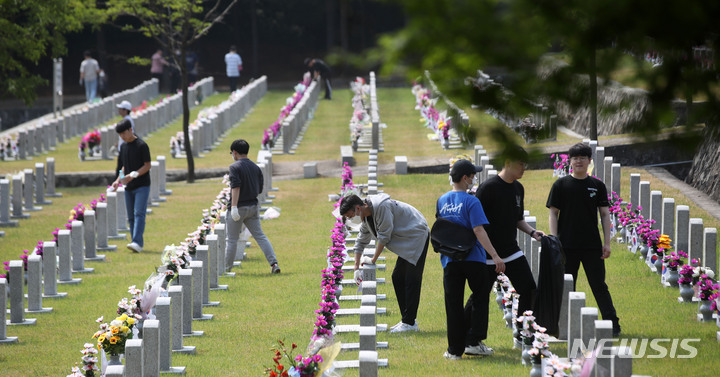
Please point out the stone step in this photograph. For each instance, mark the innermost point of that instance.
(381, 296)
(352, 282)
(356, 346)
(347, 364)
(381, 327)
(351, 267)
(356, 311)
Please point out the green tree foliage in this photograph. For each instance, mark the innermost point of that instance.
(29, 31)
(175, 25)
(514, 40)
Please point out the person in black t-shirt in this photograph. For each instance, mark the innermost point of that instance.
(503, 197)
(246, 182)
(317, 68)
(574, 202)
(132, 171)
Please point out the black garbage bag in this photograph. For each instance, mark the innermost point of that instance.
(548, 296)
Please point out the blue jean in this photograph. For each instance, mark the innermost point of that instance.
(90, 89)
(250, 216)
(136, 202)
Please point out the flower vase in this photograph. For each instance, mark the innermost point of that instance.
(446, 143)
(355, 145)
(673, 277)
(659, 264)
(643, 251)
(537, 370)
(499, 300)
(526, 359)
(113, 360)
(338, 291)
(705, 310)
(173, 152)
(508, 318)
(686, 292)
(139, 327)
(82, 155)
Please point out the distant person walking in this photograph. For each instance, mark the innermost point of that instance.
(192, 64)
(132, 170)
(233, 66)
(157, 67)
(89, 71)
(317, 68)
(246, 183)
(124, 109)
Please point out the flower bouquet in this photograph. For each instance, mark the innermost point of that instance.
(91, 142)
(561, 165)
(299, 366)
(111, 337)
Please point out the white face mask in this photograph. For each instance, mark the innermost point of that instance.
(470, 185)
(356, 220)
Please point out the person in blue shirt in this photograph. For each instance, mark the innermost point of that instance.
(462, 208)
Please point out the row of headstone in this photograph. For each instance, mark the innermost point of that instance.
(373, 139)
(41, 135)
(207, 131)
(295, 124)
(28, 189)
(687, 234)
(368, 360)
(455, 117)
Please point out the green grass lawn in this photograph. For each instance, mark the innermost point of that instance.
(260, 308)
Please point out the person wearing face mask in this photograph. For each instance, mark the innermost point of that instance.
(464, 209)
(404, 231)
(246, 183)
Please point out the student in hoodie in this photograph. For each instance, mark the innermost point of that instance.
(403, 230)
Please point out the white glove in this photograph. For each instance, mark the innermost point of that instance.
(234, 213)
(358, 277)
(366, 260)
(134, 174)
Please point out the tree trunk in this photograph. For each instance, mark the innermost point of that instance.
(593, 134)
(704, 174)
(186, 116)
(255, 39)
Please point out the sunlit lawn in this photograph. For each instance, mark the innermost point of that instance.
(259, 308)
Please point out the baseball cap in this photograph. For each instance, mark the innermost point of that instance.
(125, 105)
(462, 168)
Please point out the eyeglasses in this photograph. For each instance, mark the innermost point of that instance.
(579, 158)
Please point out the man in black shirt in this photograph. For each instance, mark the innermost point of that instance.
(246, 182)
(502, 197)
(132, 170)
(317, 68)
(574, 202)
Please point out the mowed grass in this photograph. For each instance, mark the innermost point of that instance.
(259, 308)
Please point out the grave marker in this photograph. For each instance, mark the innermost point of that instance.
(175, 292)
(34, 285)
(17, 295)
(4, 339)
(50, 271)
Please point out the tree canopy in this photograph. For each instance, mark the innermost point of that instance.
(31, 30)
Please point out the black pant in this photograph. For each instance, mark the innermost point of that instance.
(233, 82)
(521, 277)
(328, 88)
(407, 281)
(595, 271)
(455, 275)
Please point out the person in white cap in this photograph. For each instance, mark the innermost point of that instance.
(124, 109)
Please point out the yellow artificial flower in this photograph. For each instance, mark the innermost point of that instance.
(131, 321)
(114, 339)
(664, 241)
(101, 339)
(124, 329)
(122, 317)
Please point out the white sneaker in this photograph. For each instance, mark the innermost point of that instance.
(405, 327)
(450, 356)
(396, 325)
(479, 349)
(134, 247)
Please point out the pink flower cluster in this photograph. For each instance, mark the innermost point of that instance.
(271, 133)
(331, 280)
(632, 219)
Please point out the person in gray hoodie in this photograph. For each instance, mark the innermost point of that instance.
(404, 231)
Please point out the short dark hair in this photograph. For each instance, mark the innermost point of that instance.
(240, 146)
(307, 61)
(87, 53)
(348, 202)
(123, 126)
(580, 149)
(233, 48)
(514, 153)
